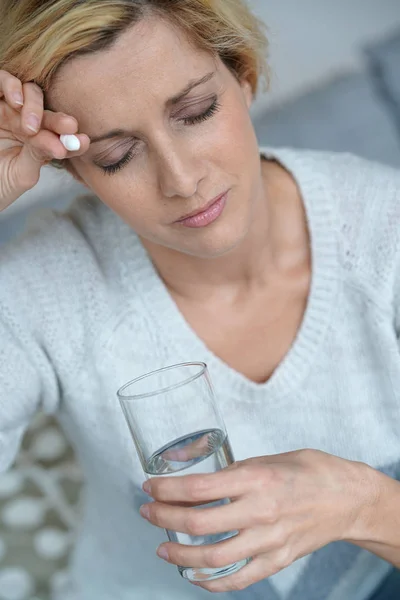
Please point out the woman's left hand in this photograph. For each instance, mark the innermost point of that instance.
(285, 507)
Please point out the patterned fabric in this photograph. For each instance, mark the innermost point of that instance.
(39, 508)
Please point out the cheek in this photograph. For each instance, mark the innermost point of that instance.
(133, 206)
(233, 133)
(131, 201)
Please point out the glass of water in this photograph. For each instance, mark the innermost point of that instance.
(178, 430)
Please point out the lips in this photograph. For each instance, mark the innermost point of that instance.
(202, 210)
(207, 215)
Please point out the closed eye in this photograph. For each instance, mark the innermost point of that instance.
(200, 118)
(186, 120)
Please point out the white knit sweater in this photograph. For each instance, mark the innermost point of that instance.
(82, 311)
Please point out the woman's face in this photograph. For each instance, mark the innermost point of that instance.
(171, 133)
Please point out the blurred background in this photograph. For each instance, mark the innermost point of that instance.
(315, 40)
(335, 85)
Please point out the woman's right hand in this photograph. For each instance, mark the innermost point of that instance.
(29, 137)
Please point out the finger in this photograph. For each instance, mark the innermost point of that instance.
(31, 158)
(198, 521)
(9, 117)
(11, 122)
(47, 145)
(257, 570)
(59, 123)
(43, 146)
(32, 111)
(39, 146)
(198, 488)
(215, 556)
(11, 90)
(26, 171)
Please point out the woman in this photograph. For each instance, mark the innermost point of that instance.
(280, 269)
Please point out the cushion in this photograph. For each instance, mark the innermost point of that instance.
(346, 114)
(384, 61)
(40, 499)
(55, 189)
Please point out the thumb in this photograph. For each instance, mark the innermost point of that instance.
(27, 167)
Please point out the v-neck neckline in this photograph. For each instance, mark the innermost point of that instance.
(187, 345)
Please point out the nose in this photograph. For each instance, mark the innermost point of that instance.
(178, 173)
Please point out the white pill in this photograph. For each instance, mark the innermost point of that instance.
(70, 142)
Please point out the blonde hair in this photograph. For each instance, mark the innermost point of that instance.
(37, 37)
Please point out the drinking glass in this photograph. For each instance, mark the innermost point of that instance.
(178, 430)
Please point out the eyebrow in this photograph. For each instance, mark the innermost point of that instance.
(192, 84)
(170, 102)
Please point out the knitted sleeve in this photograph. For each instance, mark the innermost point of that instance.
(397, 298)
(26, 378)
(44, 288)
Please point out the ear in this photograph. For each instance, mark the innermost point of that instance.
(247, 92)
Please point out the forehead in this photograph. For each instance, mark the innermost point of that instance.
(149, 62)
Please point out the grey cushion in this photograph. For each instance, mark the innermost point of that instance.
(15, 224)
(384, 61)
(346, 114)
(56, 189)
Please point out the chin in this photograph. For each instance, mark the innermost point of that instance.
(214, 242)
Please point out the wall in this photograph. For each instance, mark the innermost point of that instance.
(314, 39)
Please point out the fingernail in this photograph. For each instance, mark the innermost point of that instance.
(162, 553)
(18, 98)
(144, 511)
(147, 487)
(33, 123)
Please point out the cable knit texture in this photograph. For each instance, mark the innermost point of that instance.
(82, 311)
